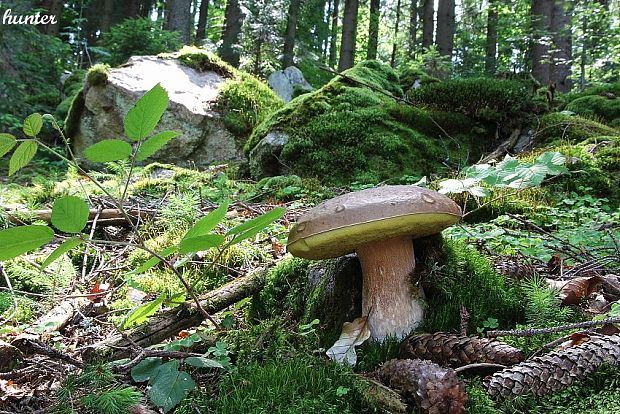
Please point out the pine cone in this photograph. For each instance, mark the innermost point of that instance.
(513, 267)
(556, 370)
(434, 389)
(455, 350)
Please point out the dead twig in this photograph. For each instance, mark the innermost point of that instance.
(553, 329)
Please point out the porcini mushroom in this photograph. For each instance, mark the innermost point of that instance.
(379, 225)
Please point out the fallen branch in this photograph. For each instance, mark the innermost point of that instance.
(59, 316)
(553, 329)
(107, 217)
(383, 397)
(504, 147)
(170, 322)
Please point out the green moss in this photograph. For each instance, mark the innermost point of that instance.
(98, 74)
(72, 121)
(26, 277)
(559, 127)
(408, 74)
(299, 385)
(72, 86)
(313, 73)
(596, 106)
(26, 308)
(465, 277)
(347, 132)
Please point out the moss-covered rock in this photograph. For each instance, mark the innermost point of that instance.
(597, 106)
(409, 74)
(349, 131)
(560, 127)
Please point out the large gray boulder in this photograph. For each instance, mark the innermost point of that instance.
(204, 139)
(287, 82)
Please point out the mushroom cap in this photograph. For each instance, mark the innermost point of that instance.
(338, 226)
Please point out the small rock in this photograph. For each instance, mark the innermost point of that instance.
(285, 82)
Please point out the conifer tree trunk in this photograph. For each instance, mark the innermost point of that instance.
(413, 27)
(560, 68)
(428, 28)
(54, 8)
(445, 27)
(203, 15)
(349, 29)
(395, 44)
(229, 51)
(490, 62)
(133, 7)
(541, 19)
(291, 30)
(179, 18)
(373, 29)
(333, 37)
(106, 18)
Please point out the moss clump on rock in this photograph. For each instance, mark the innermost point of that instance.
(347, 132)
(597, 106)
(98, 75)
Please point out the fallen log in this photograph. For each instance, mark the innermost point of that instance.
(59, 316)
(170, 322)
(504, 147)
(107, 216)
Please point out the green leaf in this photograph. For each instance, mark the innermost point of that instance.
(453, 186)
(200, 243)
(7, 142)
(22, 155)
(170, 386)
(146, 369)
(18, 240)
(141, 313)
(553, 163)
(33, 125)
(142, 119)
(153, 261)
(208, 222)
(177, 299)
(108, 150)
(70, 214)
(203, 362)
(252, 227)
(60, 250)
(154, 144)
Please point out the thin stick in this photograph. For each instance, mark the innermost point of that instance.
(553, 329)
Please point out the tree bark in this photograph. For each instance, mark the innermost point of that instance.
(584, 54)
(133, 9)
(445, 27)
(413, 27)
(333, 37)
(179, 18)
(55, 9)
(395, 44)
(490, 62)
(203, 14)
(106, 18)
(349, 29)
(229, 51)
(288, 57)
(541, 18)
(560, 68)
(373, 29)
(428, 21)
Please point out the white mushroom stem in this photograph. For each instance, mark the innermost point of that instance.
(393, 304)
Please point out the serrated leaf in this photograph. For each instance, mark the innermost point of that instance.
(453, 186)
(154, 261)
(353, 334)
(142, 119)
(154, 144)
(70, 214)
(18, 240)
(200, 243)
(22, 155)
(203, 362)
(170, 386)
(33, 125)
(60, 250)
(553, 163)
(7, 142)
(108, 150)
(208, 222)
(252, 227)
(146, 369)
(140, 314)
(478, 191)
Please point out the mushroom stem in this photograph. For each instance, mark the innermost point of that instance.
(393, 304)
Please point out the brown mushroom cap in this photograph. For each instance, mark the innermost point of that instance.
(338, 226)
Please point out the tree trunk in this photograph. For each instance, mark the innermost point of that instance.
(133, 9)
(413, 27)
(288, 57)
(55, 9)
(373, 29)
(445, 27)
(229, 51)
(333, 37)
(541, 19)
(106, 18)
(560, 68)
(490, 62)
(395, 44)
(201, 30)
(349, 29)
(428, 28)
(584, 53)
(179, 18)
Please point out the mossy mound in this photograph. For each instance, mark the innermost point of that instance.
(244, 100)
(352, 131)
(558, 127)
(408, 74)
(597, 106)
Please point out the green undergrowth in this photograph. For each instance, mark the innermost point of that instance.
(347, 132)
(557, 127)
(597, 106)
